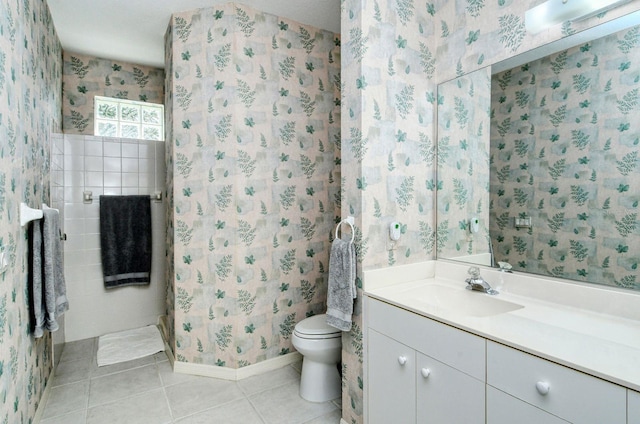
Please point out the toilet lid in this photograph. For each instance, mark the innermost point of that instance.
(315, 325)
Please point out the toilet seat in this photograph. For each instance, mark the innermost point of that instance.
(316, 327)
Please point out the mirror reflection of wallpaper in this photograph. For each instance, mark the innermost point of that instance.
(564, 151)
(463, 166)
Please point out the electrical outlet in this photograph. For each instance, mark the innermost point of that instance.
(391, 245)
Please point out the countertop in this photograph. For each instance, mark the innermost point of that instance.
(604, 345)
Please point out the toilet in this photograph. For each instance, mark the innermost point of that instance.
(321, 348)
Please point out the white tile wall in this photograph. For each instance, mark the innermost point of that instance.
(108, 166)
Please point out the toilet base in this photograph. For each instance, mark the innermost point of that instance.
(319, 382)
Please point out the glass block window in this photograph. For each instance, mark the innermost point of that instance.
(128, 119)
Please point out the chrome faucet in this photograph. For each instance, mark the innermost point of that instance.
(477, 283)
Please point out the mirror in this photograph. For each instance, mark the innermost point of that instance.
(539, 160)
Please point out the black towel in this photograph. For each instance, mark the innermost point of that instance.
(125, 240)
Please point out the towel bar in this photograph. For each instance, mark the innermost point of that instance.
(28, 214)
(87, 196)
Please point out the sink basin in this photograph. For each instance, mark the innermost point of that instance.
(460, 301)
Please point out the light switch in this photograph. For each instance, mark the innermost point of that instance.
(523, 222)
(4, 260)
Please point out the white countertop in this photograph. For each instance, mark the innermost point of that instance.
(591, 339)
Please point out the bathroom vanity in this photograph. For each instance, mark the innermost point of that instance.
(541, 351)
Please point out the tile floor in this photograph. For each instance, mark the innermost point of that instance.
(146, 391)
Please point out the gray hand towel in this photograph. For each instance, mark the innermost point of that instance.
(55, 293)
(342, 284)
(125, 240)
(48, 288)
(36, 298)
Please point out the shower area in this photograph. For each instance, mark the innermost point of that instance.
(93, 166)
(250, 182)
(109, 166)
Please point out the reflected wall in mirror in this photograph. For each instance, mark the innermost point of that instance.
(464, 106)
(565, 171)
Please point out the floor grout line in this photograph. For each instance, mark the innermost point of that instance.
(257, 411)
(91, 377)
(166, 399)
(245, 395)
(207, 409)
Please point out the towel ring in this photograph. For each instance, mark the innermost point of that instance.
(349, 220)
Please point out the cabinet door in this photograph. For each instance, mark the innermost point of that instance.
(633, 407)
(391, 386)
(505, 409)
(446, 395)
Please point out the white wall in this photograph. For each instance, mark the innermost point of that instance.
(109, 166)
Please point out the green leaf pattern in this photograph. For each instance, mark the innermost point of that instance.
(32, 71)
(567, 137)
(213, 331)
(255, 177)
(102, 77)
(464, 185)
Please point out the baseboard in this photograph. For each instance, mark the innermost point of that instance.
(164, 331)
(169, 353)
(226, 373)
(44, 398)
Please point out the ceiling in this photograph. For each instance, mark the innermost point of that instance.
(133, 31)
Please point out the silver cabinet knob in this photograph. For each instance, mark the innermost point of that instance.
(426, 372)
(402, 360)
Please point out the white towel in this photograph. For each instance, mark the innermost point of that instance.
(128, 345)
(342, 284)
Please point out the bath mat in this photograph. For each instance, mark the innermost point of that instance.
(129, 345)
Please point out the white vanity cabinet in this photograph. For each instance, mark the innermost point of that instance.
(633, 407)
(565, 393)
(420, 370)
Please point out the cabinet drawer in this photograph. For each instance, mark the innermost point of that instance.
(456, 348)
(633, 407)
(572, 395)
(502, 408)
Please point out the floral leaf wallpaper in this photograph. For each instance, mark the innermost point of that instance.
(88, 76)
(463, 173)
(30, 105)
(566, 160)
(255, 131)
(444, 39)
(388, 66)
(380, 92)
